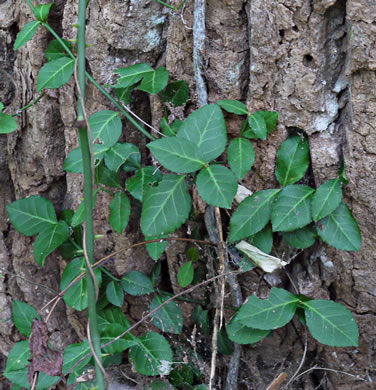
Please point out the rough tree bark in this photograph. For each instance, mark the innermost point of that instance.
(312, 61)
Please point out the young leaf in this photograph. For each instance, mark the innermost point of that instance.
(177, 93)
(241, 334)
(30, 215)
(292, 208)
(149, 352)
(166, 128)
(263, 239)
(258, 125)
(169, 318)
(114, 293)
(233, 106)
(124, 94)
(292, 160)
(185, 274)
(270, 118)
(155, 249)
(41, 11)
(252, 215)
(241, 156)
(326, 199)
(49, 239)
(225, 346)
(119, 154)
(132, 74)
(301, 238)
(206, 128)
(55, 73)
(120, 210)
(106, 125)
(340, 229)
(217, 185)
(7, 124)
(142, 181)
(79, 215)
(166, 207)
(55, 50)
(26, 34)
(137, 283)
(177, 154)
(73, 162)
(23, 315)
(331, 323)
(154, 82)
(268, 314)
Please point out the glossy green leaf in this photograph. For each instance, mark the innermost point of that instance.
(120, 210)
(166, 207)
(55, 50)
(252, 214)
(105, 176)
(106, 125)
(241, 156)
(169, 318)
(26, 34)
(177, 93)
(217, 185)
(41, 11)
(268, 314)
(258, 125)
(31, 215)
(155, 249)
(233, 106)
(23, 315)
(241, 334)
(154, 82)
(7, 124)
(55, 73)
(142, 181)
(185, 274)
(271, 120)
(177, 154)
(119, 154)
(326, 199)
(114, 293)
(331, 323)
(206, 128)
(150, 353)
(49, 239)
(301, 238)
(292, 208)
(340, 229)
(292, 160)
(263, 239)
(137, 283)
(132, 74)
(73, 162)
(76, 296)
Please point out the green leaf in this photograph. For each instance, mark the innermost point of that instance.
(120, 210)
(241, 334)
(76, 296)
(185, 274)
(271, 119)
(55, 50)
(340, 229)
(106, 125)
(166, 207)
(263, 239)
(170, 130)
(124, 94)
(119, 154)
(148, 354)
(23, 315)
(292, 160)
(41, 11)
(114, 293)
(119, 345)
(132, 74)
(55, 73)
(142, 181)
(258, 125)
(105, 176)
(201, 318)
(331, 323)
(206, 128)
(177, 93)
(110, 316)
(18, 357)
(301, 238)
(7, 124)
(73, 353)
(26, 34)
(252, 214)
(225, 346)
(177, 154)
(155, 249)
(49, 239)
(31, 215)
(241, 156)
(326, 199)
(154, 82)
(168, 318)
(233, 106)
(292, 208)
(137, 283)
(217, 185)
(73, 162)
(79, 215)
(267, 314)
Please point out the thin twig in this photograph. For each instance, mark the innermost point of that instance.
(88, 264)
(89, 340)
(275, 385)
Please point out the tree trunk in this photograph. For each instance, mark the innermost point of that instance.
(312, 61)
